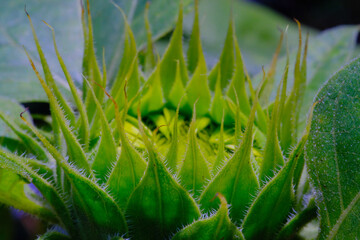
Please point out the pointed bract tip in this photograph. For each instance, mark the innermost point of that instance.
(121, 10)
(216, 195)
(82, 7)
(263, 71)
(179, 104)
(221, 198)
(299, 26)
(88, 7)
(125, 85)
(196, 3)
(107, 94)
(157, 129)
(21, 114)
(194, 110)
(139, 112)
(27, 14)
(298, 22)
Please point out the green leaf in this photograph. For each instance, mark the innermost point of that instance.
(128, 59)
(94, 207)
(225, 66)
(75, 151)
(17, 80)
(277, 197)
(268, 85)
(220, 104)
(294, 225)
(92, 204)
(172, 57)
(29, 141)
(220, 158)
(159, 205)
(83, 123)
(16, 193)
(106, 153)
(194, 172)
(218, 226)
(198, 89)
(327, 52)
(178, 91)
(194, 51)
(290, 118)
(150, 61)
(91, 69)
(129, 167)
(50, 81)
(128, 72)
(332, 154)
(11, 108)
(237, 92)
(236, 180)
(172, 156)
(273, 157)
(151, 95)
(17, 165)
(12, 145)
(12, 127)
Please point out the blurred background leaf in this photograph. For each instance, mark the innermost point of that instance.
(17, 79)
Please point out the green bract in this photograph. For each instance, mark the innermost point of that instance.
(103, 174)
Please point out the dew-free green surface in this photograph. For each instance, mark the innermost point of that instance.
(333, 154)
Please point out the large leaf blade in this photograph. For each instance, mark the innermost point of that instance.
(333, 151)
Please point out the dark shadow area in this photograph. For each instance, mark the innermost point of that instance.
(320, 14)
